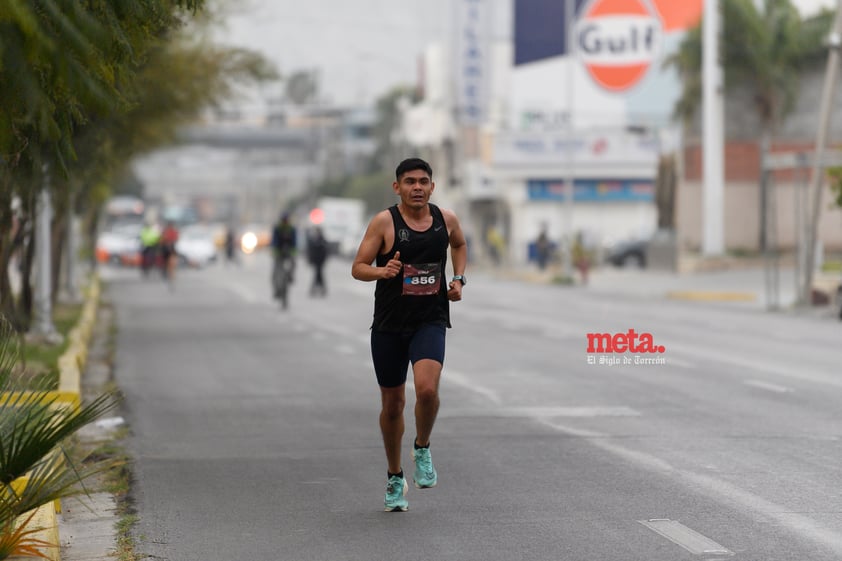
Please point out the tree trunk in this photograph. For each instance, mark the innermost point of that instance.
(27, 300)
(665, 184)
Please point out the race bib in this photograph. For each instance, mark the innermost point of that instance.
(423, 279)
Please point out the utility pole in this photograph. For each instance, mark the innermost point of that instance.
(816, 180)
(569, 182)
(713, 229)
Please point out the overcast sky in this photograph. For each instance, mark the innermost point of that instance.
(362, 48)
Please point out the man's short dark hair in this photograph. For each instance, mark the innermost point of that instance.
(411, 164)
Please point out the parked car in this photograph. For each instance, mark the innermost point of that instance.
(114, 244)
(631, 253)
(196, 246)
(839, 299)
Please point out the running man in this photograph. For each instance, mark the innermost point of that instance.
(407, 244)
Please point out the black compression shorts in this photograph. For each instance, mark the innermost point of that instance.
(392, 352)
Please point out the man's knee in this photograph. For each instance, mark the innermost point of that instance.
(393, 404)
(426, 394)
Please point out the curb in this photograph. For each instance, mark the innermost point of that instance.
(711, 296)
(71, 363)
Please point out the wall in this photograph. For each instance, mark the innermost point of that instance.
(742, 218)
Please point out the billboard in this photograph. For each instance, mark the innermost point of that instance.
(614, 74)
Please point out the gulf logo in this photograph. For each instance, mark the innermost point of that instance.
(617, 41)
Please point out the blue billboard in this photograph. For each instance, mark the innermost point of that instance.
(540, 30)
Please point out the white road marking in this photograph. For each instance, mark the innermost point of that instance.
(689, 539)
(346, 349)
(767, 386)
(724, 492)
(678, 362)
(242, 292)
(727, 493)
(758, 364)
(536, 413)
(459, 379)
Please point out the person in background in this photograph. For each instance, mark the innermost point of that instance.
(284, 247)
(169, 237)
(150, 235)
(496, 245)
(543, 249)
(317, 252)
(230, 244)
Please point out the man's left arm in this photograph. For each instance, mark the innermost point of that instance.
(458, 254)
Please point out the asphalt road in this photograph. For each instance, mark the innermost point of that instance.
(255, 430)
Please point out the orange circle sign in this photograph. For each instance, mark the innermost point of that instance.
(617, 41)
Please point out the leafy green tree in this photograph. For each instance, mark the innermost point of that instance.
(765, 47)
(374, 185)
(386, 125)
(375, 189)
(86, 86)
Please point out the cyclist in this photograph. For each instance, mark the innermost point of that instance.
(150, 235)
(169, 237)
(284, 243)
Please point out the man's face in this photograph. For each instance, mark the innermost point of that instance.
(414, 188)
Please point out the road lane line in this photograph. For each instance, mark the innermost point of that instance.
(767, 386)
(672, 361)
(546, 412)
(721, 491)
(243, 292)
(756, 364)
(346, 349)
(462, 380)
(689, 539)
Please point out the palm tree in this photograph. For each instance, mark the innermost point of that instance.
(764, 50)
(33, 429)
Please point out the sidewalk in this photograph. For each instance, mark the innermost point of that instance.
(88, 523)
(747, 286)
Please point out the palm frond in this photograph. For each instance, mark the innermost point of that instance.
(31, 426)
(17, 538)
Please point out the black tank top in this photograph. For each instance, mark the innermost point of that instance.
(395, 311)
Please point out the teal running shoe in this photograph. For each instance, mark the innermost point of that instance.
(425, 474)
(395, 499)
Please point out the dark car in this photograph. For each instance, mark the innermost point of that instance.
(630, 253)
(839, 299)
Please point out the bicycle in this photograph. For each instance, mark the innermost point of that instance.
(281, 279)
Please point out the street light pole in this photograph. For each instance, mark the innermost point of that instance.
(816, 179)
(569, 188)
(713, 238)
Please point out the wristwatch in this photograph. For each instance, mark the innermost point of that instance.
(460, 278)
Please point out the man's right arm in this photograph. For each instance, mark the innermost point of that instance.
(372, 242)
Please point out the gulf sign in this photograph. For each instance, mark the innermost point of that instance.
(617, 41)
